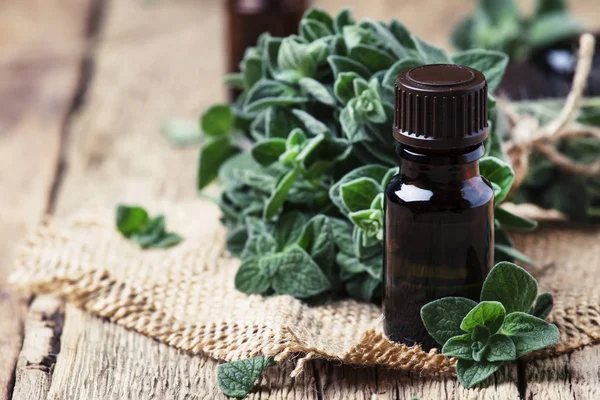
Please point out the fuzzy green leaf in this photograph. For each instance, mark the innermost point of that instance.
(131, 219)
(491, 63)
(553, 27)
(529, 333)
(507, 252)
(358, 194)
(267, 93)
(489, 314)
(217, 120)
(431, 54)
(501, 348)
(212, 155)
(371, 57)
(181, 132)
(298, 275)
(250, 279)
(510, 220)
(344, 18)
(268, 151)
(344, 86)
(506, 279)
(318, 91)
(499, 173)
(389, 79)
(442, 318)
(341, 64)
(549, 7)
(275, 202)
(288, 228)
(459, 347)
(237, 378)
(470, 373)
(543, 306)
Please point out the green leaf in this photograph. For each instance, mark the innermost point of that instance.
(319, 15)
(312, 30)
(217, 120)
(235, 80)
(267, 93)
(252, 67)
(470, 373)
(549, 7)
(279, 122)
(462, 35)
(553, 27)
(181, 132)
(341, 64)
(317, 239)
(212, 155)
(358, 194)
(267, 152)
(496, 10)
(529, 333)
(131, 219)
(341, 230)
(371, 57)
(442, 318)
(237, 378)
(431, 54)
(393, 38)
(275, 202)
(258, 245)
(506, 279)
(289, 228)
(363, 287)
(250, 279)
(236, 240)
(350, 125)
(491, 63)
(459, 347)
(311, 124)
(151, 233)
(510, 253)
(298, 275)
(344, 18)
(489, 314)
(510, 220)
(543, 306)
(389, 79)
(498, 172)
(501, 348)
(319, 92)
(373, 171)
(402, 35)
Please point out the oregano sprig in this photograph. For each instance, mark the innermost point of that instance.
(135, 224)
(508, 323)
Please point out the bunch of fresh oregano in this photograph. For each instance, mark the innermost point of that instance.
(305, 151)
(508, 323)
(499, 25)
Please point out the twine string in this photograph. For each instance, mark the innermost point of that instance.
(526, 134)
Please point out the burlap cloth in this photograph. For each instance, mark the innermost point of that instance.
(185, 297)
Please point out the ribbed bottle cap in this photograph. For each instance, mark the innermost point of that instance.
(440, 106)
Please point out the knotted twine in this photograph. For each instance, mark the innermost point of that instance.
(526, 134)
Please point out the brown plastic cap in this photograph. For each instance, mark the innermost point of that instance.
(440, 106)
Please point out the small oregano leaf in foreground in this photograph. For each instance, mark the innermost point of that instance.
(237, 378)
(495, 331)
(135, 224)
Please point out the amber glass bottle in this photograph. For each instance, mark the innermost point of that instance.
(438, 210)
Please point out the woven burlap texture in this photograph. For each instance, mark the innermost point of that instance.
(184, 296)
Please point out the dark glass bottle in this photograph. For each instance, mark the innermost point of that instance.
(248, 19)
(439, 210)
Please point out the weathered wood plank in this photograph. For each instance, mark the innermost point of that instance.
(40, 62)
(43, 327)
(99, 360)
(572, 376)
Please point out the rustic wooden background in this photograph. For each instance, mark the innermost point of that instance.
(84, 85)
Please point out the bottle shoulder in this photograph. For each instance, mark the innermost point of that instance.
(470, 193)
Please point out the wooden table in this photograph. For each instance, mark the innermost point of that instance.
(84, 85)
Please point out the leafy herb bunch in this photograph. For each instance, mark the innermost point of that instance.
(499, 25)
(508, 323)
(305, 152)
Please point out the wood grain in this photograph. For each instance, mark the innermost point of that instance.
(40, 62)
(35, 366)
(99, 360)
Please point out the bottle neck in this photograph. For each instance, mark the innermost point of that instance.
(439, 165)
